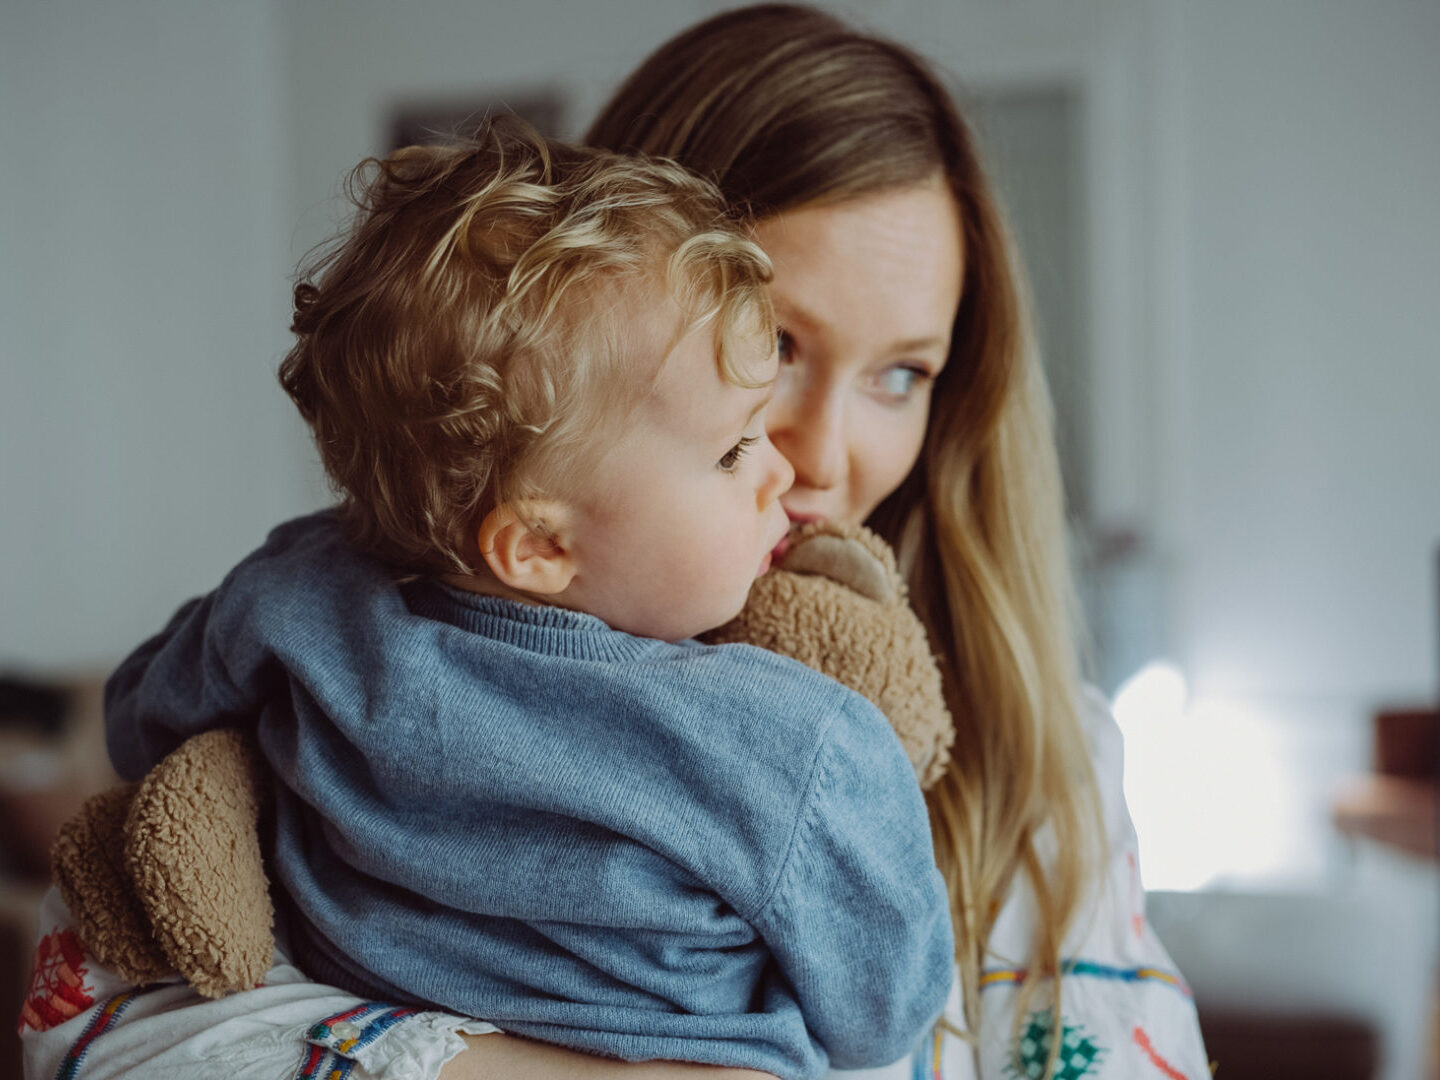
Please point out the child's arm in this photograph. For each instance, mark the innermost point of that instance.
(859, 917)
(160, 694)
(219, 658)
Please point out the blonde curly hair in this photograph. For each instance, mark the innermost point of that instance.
(461, 343)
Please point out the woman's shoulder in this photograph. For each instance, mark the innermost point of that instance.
(1107, 760)
(1102, 734)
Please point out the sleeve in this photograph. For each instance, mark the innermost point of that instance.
(859, 918)
(212, 665)
(1124, 1005)
(162, 693)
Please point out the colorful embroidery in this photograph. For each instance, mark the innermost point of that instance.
(322, 1063)
(1079, 1054)
(57, 985)
(356, 1028)
(927, 1065)
(105, 1018)
(1090, 969)
(1147, 1048)
(334, 1040)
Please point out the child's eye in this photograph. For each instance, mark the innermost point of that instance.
(731, 458)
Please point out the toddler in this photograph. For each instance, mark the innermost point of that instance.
(513, 787)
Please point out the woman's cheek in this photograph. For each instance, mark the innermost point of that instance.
(885, 447)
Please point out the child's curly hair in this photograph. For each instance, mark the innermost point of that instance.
(461, 341)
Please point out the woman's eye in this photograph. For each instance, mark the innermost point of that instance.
(785, 344)
(730, 460)
(899, 383)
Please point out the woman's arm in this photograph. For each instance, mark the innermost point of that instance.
(488, 1057)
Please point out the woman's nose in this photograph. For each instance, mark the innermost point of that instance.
(807, 425)
(779, 477)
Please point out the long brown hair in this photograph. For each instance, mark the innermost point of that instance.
(784, 106)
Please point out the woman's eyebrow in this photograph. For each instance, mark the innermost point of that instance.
(787, 311)
(919, 344)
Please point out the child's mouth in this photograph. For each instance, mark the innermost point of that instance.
(777, 553)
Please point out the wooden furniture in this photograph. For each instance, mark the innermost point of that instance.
(1398, 803)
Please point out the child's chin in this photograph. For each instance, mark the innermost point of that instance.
(729, 616)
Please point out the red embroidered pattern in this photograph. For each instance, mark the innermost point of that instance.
(57, 987)
(1142, 1040)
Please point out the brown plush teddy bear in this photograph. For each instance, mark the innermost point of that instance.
(167, 875)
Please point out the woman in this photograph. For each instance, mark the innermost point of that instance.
(910, 399)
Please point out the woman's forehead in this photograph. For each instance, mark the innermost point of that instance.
(888, 265)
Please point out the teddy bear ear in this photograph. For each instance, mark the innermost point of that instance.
(847, 560)
(193, 850)
(88, 865)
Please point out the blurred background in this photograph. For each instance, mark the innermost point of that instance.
(1230, 211)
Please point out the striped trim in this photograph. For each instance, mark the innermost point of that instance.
(1090, 969)
(935, 1073)
(106, 1017)
(925, 1063)
(322, 1063)
(356, 1028)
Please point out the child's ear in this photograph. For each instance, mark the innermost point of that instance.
(526, 550)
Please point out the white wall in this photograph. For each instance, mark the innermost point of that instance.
(1297, 389)
(351, 61)
(1306, 476)
(144, 219)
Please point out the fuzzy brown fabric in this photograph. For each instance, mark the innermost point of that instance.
(193, 848)
(190, 835)
(838, 604)
(88, 865)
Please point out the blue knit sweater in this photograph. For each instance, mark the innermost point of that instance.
(633, 848)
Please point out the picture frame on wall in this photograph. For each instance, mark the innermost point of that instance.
(419, 122)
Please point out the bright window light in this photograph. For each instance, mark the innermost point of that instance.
(1210, 785)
